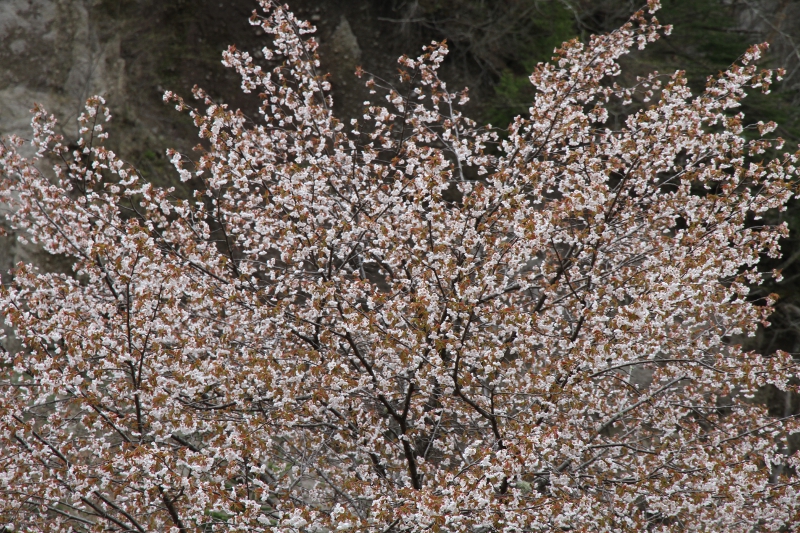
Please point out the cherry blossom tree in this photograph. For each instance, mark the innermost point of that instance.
(404, 323)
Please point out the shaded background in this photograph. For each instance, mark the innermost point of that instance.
(58, 52)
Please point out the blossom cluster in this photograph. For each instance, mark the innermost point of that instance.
(408, 322)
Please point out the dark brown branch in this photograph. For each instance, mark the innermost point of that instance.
(173, 513)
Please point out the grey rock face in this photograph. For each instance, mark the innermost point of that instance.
(52, 54)
(344, 44)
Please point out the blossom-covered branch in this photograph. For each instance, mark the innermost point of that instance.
(406, 322)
